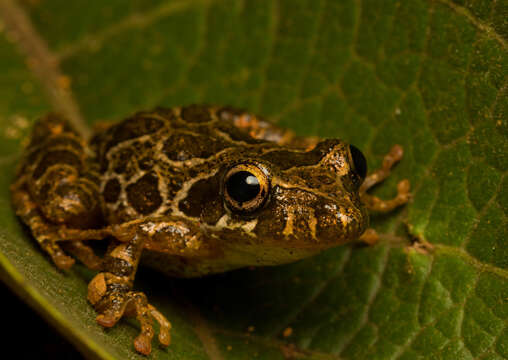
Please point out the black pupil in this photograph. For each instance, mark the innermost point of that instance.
(359, 161)
(242, 186)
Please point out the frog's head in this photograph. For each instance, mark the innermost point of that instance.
(294, 203)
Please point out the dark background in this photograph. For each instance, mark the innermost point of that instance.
(27, 335)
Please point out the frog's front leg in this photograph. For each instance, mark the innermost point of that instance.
(110, 292)
(374, 203)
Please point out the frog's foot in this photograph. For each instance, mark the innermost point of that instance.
(60, 259)
(49, 241)
(114, 301)
(403, 188)
(43, 232)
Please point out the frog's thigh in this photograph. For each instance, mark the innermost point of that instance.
(55, 189)
(47, 234)
(261, 129)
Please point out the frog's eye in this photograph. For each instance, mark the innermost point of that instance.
(359, 162)
(246, 188)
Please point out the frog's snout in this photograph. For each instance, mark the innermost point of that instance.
(339, 223)
(309, 220)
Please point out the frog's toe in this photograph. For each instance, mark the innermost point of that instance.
(60, 259)
(145, 313)
(403, 191)
(113, 305)
(165, 326)
(83, 253)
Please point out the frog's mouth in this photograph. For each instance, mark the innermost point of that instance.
(300, 218)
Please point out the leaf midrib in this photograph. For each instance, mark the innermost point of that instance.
(42, 63)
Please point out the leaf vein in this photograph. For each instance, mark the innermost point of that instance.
(489, 30)
(129, 22)
(372, 297)
(42, 62)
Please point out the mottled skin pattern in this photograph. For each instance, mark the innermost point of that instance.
(159, 184)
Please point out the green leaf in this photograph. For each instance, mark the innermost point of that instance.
(429, 75)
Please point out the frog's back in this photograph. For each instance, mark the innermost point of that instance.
(147, 160)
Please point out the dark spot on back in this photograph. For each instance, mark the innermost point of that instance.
(146, 163)
(196, 113)
(111, 191)
(181, 147)
(44, 191)
(204, 201)
(237, 134)
(56, 157)
(144, 194)
(132, 128)
(121, 160)
(167, 113)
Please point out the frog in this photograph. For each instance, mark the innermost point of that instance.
(190, 191)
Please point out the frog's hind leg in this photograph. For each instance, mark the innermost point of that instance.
(49, 236)
(55, 188)
(261, 129)
(43, 232)
(373, 202)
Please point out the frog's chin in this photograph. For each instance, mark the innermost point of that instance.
(231, 259)
(271, 254)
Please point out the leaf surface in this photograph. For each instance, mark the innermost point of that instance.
(429, 75)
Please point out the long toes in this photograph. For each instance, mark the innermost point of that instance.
(140, 307)
(394, 156)
(403, 191)
(397, 152)
(113, 306)
(403, 186)
(84, 253)
(165, 326)
(62, 261)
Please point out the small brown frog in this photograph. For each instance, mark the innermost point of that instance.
(197, 190)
